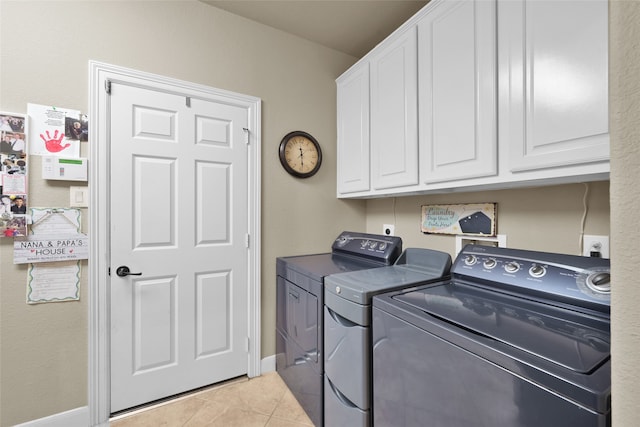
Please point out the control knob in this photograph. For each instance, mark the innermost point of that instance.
(600, 282)
(537, 270)
(470, 259)
(511, 267)
(489, 263)
(342, 240)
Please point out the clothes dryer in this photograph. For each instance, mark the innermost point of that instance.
(299, 309)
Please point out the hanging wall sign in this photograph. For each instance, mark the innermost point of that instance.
(55, 248)
(469, 219)
(55, 236)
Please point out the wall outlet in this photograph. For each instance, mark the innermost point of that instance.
(592, 245)
(389, 229)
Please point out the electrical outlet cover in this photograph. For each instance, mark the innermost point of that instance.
(592, 243)
(389, 229)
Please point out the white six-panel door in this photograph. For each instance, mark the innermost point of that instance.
(179, 207)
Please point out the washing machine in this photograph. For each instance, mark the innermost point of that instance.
(515, 338)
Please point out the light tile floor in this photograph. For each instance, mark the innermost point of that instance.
(263, 401)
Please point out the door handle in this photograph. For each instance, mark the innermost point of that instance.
(123, 271)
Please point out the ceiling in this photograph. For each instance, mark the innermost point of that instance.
(353, 27)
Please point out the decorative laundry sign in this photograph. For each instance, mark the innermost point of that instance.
(468, 219)
(38, 248)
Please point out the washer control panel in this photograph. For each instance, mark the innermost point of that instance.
(574, 279)
(380, 248)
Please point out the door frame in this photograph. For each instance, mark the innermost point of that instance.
(99, 374)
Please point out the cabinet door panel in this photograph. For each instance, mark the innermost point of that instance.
(457, 84)
(394, 130)
(555, 63)
(353, 131)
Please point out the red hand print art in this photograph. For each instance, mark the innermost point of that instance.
(54, 145)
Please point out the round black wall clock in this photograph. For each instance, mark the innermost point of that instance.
(300, 154)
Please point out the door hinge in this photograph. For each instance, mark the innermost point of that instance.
(188, 101)
(246, 135)
(247, 240)
(107, 86)
(248, 344)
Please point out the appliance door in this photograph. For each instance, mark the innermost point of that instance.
(422, 379)
(339, 411)
(347, 360)
(298, 345)
(297, 316)
(300, 375)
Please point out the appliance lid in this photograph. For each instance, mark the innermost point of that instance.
(567, 338)
(360, 286)
(320, 265)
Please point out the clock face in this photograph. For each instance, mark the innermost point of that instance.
(300, 154)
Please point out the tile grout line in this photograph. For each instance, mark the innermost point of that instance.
(276, 407)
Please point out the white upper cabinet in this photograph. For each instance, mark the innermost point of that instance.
(477, 95)
(458, 91)
(394, 112)
(554, 82)
(353, 130)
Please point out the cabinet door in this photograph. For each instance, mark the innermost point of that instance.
(353, 130)
(394, 128)
(554, 82)
(458, 90)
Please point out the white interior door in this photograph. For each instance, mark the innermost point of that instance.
(179, 218)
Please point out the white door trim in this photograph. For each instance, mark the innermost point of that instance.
(99, 326)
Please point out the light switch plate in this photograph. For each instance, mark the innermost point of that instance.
(79, 197)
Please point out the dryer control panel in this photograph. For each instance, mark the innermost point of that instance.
(577, 280)
(380, 248)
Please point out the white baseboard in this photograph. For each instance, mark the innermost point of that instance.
(78, 417)
(268, 364)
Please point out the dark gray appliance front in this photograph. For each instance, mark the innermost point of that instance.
(347, 329)
(299, 314)
(470, 352)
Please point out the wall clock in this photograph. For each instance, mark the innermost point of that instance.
(300, 154)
